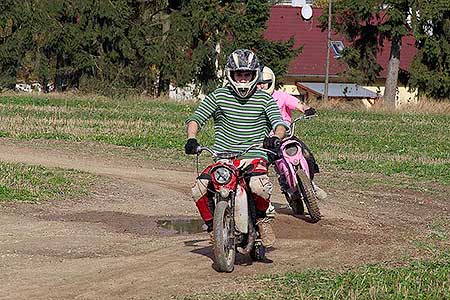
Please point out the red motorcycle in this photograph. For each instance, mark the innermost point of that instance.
(234, 211)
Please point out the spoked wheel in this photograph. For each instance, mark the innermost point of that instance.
(295, 202)
(310, 198)
(224, 248)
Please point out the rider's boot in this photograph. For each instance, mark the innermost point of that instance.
(270, 212)
(266, 231)
(211, 237)
(321, 194)
(209, 225)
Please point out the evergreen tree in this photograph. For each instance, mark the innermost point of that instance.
(367, 24)
(16, 38)
(248, 31)
(71, 43)
(204, 32)
(103, 45)
(430, 70)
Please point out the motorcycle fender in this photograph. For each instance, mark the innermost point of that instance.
(241, 210)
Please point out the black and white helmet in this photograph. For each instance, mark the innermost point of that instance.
(243, 60)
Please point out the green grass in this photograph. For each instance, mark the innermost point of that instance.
(416, 280)
(411, 147)
(412, 144)
(131, 123)
(24, 183)
(439, 229)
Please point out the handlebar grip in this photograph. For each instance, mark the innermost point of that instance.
(277, 143)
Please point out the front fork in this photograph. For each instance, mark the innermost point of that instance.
(231, 204)
(287, 176)
(251, 234)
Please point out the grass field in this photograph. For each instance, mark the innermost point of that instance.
(416, 280)
(413, 144)
(23, 183)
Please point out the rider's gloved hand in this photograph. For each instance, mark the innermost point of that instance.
(191, 146)
(272, 143)
(310, 112)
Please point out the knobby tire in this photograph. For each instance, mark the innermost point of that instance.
(311, 200)
(223, 248)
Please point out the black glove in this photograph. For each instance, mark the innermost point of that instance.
(191, 146)
(272, 143)
(310, 112)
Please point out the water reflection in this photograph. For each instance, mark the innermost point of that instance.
(182, 226)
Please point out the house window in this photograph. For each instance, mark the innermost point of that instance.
(337, 47)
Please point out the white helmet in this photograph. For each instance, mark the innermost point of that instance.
(243, 60)
(268, 77)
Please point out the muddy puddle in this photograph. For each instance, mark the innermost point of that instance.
(138, 224)
(286, 226)
(182, 226)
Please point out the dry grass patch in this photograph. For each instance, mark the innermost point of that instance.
(423, 106)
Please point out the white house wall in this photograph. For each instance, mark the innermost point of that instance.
(403, 95)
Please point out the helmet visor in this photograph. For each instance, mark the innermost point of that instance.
(243, 76)
(268, 81)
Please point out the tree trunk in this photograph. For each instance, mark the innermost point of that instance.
(59, 77)
(163, 84)
(390, 90)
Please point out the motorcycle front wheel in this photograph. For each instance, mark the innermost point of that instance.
(296, 204)
(310, 198)
(224, 248)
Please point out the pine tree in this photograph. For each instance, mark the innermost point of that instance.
(430, 70)
(16, 38)
(249, 28)
(78, 43)
(204, 32)
(367, 24)
(110, 45)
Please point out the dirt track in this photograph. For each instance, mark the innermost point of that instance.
(107, 246)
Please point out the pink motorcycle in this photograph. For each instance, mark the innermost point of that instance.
(294, 176)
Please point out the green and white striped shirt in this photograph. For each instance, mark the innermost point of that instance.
(239, 123)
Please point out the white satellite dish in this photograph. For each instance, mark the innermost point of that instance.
(307, 12)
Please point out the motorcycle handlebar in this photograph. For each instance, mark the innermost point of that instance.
(303, 117)
(277, 143)
(232, 154)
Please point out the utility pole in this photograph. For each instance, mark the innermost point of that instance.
(327, 68)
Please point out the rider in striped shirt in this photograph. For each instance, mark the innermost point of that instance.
(242, 116)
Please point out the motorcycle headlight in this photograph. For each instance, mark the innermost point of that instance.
(291, 150)
(222, 175)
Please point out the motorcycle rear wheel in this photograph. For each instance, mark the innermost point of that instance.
(224, 249)
(310, 198)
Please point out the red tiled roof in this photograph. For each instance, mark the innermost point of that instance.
(286, 22)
